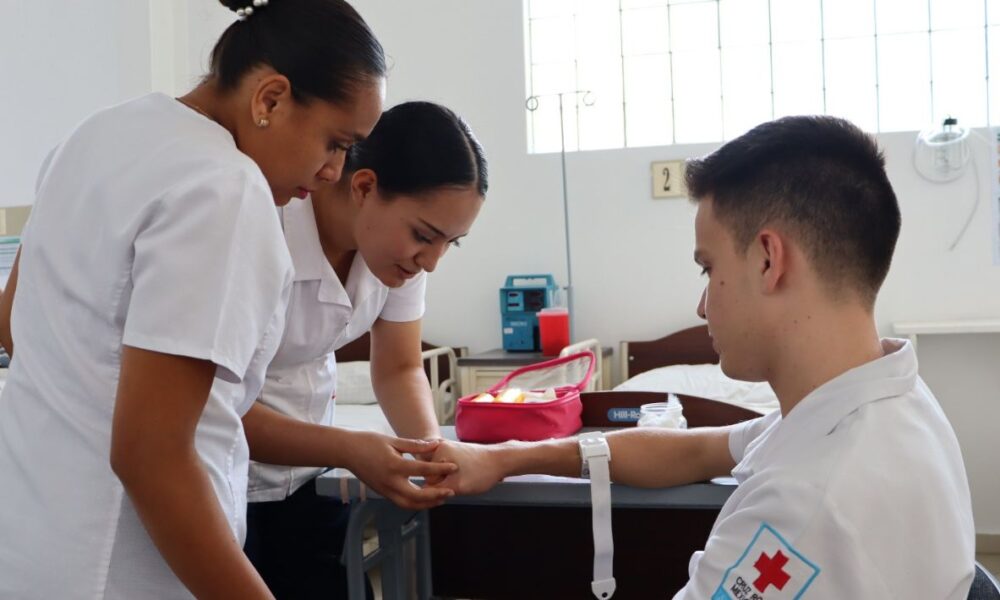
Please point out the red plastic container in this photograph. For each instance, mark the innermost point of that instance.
(490, 422)
(553, 330)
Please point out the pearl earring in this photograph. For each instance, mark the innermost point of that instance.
(263, 122)
(247, 11)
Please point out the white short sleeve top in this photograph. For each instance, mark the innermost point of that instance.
(839, 497)
(150, 229)
(323, 315)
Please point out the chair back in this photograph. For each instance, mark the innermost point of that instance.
(621, 409)
(984, 585)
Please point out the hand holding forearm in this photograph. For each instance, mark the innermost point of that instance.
(481, 467)
(375, 459)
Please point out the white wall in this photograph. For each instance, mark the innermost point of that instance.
(182, 34)
(60, 62)
(962, 370)
(633, 273)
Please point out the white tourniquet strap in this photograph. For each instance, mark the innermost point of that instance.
(596, 455)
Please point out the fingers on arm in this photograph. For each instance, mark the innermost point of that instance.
(459, 483)
(419, 468)
(408, 495)
(414, 446)
(411, 495)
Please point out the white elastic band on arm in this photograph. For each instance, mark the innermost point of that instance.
(595, 454)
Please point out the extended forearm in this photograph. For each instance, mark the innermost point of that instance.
(550, 457)
(277, 439)
(639, 457)
(179, 508)
(406, 400)
(652, 457)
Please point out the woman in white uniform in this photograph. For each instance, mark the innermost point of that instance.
(362, 249)
(151, 295)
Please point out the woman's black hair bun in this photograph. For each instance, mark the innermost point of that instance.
(323, 47)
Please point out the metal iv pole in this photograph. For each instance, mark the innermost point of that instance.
(531, 104)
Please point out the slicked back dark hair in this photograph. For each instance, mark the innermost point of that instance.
(821, 177)
(420, 146)
(323, 47)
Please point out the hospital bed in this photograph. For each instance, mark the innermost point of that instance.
(684, 363)
(356, 405)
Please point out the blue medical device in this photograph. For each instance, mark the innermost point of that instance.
(521, 299)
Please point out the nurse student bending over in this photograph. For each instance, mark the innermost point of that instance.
(856, 487)
(151, 295)
(362, 249)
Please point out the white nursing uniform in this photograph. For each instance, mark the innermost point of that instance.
(323, 315)
(150, 229)
(859, 492)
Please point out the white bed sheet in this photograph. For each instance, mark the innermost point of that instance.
(368, 417)
(704, 381)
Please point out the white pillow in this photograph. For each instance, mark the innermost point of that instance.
(354, 383)
(704, 381)
(368, 418)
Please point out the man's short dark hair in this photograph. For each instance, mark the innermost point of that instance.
(822, 178)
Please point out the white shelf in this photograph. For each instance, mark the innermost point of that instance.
(913, 328)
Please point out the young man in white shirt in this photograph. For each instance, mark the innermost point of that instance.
(859, 477)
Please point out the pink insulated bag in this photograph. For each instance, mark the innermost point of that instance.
(490, 422)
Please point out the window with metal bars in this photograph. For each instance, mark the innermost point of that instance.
(666, 72)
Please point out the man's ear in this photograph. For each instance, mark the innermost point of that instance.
(769, 258)
(364, 182)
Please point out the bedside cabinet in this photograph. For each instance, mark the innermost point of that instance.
(480, 371)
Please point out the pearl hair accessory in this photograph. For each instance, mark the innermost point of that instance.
(243, 14)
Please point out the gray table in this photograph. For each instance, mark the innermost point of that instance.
(395, 525)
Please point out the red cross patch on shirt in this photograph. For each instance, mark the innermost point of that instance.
(772, 572)
(769, 569)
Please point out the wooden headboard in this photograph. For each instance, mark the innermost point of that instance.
(691, 346)
(360, 349)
